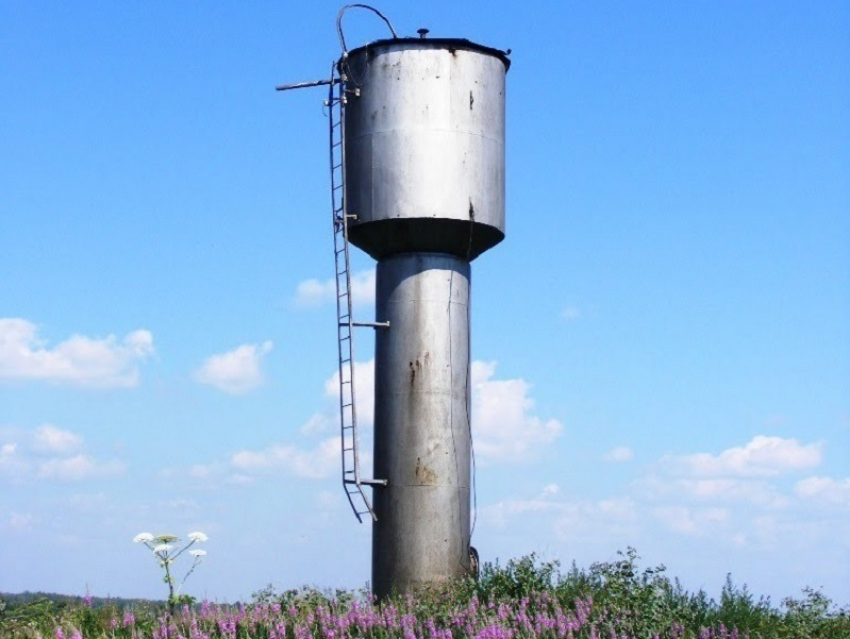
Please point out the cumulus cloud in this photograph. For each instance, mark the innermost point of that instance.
(13, 464)
(502, 512)
(97, 362)
(50, 439)
(824, 489)
(738, 474)
(50, 453)
(691, 521)
(312, 293)
(77, 467)
(619, 454)
(763, 456)
(235, 372)
(502, 420)
(569, 520)
(313, 463)
(750, 490)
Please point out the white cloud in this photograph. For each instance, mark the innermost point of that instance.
(84, 361)
(235, 372)
(689, 521)
(49, 439)
(77, 467)
(317, 424)
(315, 463)
(617, 520)
(202, 471)
(567, 519)
(570, 313)
(12, 463)
(551, 489)
(502, 422)
(312, 293)
(50, 453)
(619, 454)
(824, 489)
(21, 521)
(763, 456)
(723, 489)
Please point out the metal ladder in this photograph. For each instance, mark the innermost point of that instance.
(352, 481)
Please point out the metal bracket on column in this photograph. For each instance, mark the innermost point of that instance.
(369, 324)
(374, 482)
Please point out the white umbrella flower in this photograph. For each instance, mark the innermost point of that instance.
(166, 549)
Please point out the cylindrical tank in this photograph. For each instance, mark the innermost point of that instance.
(422, 426)
(425, 146)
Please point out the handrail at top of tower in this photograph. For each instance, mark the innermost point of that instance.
(359, 6)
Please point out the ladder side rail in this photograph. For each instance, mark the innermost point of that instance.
(345, 218)
(346, 253)
(345, 358)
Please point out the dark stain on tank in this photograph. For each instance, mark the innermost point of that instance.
(416, 366)
(424, 475)
(471, 210)
(471, 100)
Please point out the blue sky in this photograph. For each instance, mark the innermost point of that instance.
(662, 342)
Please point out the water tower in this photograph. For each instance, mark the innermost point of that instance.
(417, 130)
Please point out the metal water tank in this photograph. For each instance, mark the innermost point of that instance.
(425, 146)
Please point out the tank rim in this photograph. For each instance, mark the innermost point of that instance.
(434, 43)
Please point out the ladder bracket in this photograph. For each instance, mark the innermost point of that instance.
(368, 324)
(367, 482)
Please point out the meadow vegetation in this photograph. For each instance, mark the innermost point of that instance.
(525, 599)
